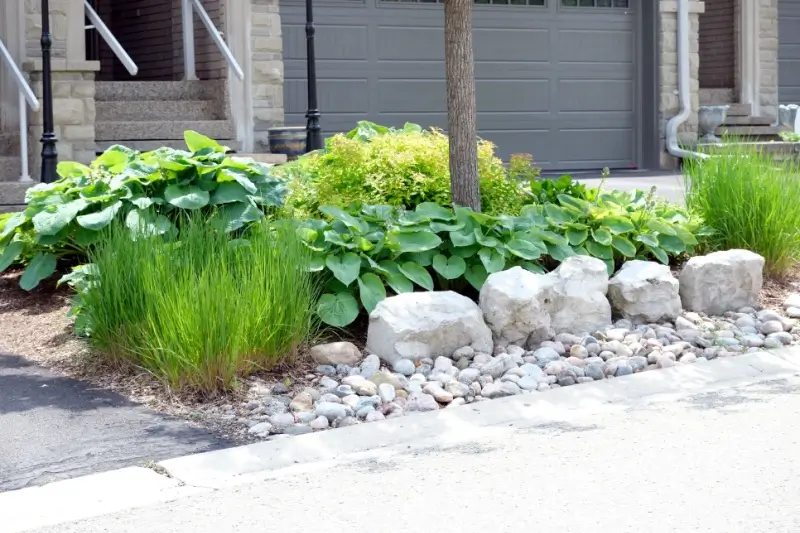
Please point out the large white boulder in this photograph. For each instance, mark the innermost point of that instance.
(523, 308)
(645, 292)
(515, 305)
(721, 281)
(580, 304)
(420, 325)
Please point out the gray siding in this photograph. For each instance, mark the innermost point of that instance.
(789, 51)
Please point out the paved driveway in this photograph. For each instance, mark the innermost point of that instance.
(54, 428)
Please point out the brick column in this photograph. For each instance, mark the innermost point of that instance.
(73, 110)
(267, 74)
(768, 57)
(669, 105)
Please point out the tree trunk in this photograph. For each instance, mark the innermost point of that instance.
(461, 114)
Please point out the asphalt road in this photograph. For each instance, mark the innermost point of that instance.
(54, 428)
(716, 462)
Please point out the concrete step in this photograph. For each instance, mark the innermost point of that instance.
(269, 159)
(750, 131)
(130, 91)
(10, 168)
(147, 146)
(12, 194)
(159, 110)
(161, 130)
(739, 120)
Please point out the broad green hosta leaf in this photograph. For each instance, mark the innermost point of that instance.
(523, 249)
(186, 197)
(41, 267)
(598, 250)
(100, 219)
(685, 236)
(659, 226)
(417, 274)
(602, 236)
(647, 238)
(671, 244)
(434, 211)
(578, 204)
(10, 254)
(577, 237)
(623, 246)
(536, 268)
(413, 241)
(231, 217)
(228, 192)
(347, 219)
(54, 218)
(476, 275)
(345, 268)
(16, 220)
(461, 239)
(548, 236)
(464, 251)
(618, 225)
(556, 215)
(658, 253)
(493, 261)
(114, 156)
(197, 142)
(440, 227)
(486, 240)
(559, 252)
(146, 224)
(338, 310)
(371, 290)
(449, 268)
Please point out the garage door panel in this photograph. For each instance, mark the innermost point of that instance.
(512, 95)
(789, 51)
(556, 84)
(595, 95)
(408, 96)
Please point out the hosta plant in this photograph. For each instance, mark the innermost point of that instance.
(147, 191)
(372, 251)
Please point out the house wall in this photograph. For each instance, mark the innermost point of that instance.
(768, 56)
(717, 45)
(267, 69)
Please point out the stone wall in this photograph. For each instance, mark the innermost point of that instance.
(73, 110)
(768, 57)
(669, 104)
(267, 69)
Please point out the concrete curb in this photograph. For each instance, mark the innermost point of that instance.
(135, 487)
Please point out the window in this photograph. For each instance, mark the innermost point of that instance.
(595, 3)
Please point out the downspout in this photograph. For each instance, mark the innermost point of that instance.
(684, 89)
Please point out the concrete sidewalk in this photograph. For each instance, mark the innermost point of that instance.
(568, 459)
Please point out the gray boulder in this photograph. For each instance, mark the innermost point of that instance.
(721, 281)
(645, 292)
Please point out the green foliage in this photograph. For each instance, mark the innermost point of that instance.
(370, 251)
(378, 165)
(148, 191)
(750, 201)
(548, 190)
(199, 312)
(789, 136)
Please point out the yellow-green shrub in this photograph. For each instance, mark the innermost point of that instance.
(378, 165)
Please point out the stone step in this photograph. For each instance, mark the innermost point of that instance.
(739, 120)
(12, 194)
(269, 159)
(129, 91)
(750, 131)
(161, 130)
(740, 110)
(10, 168)
(147, 110)
(147, 146)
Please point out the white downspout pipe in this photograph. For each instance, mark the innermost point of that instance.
(684, 89)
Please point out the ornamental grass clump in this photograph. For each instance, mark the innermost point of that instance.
(750, 201)
(202, 311)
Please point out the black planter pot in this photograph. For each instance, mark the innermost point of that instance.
(288, 140)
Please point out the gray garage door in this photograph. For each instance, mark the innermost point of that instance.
(789, 51)
(555, 78)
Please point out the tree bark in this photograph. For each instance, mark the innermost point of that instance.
(461, 113)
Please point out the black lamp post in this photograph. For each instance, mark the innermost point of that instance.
(313, 130)
(49, 152)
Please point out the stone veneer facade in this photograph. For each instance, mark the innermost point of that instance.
(73, 77)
